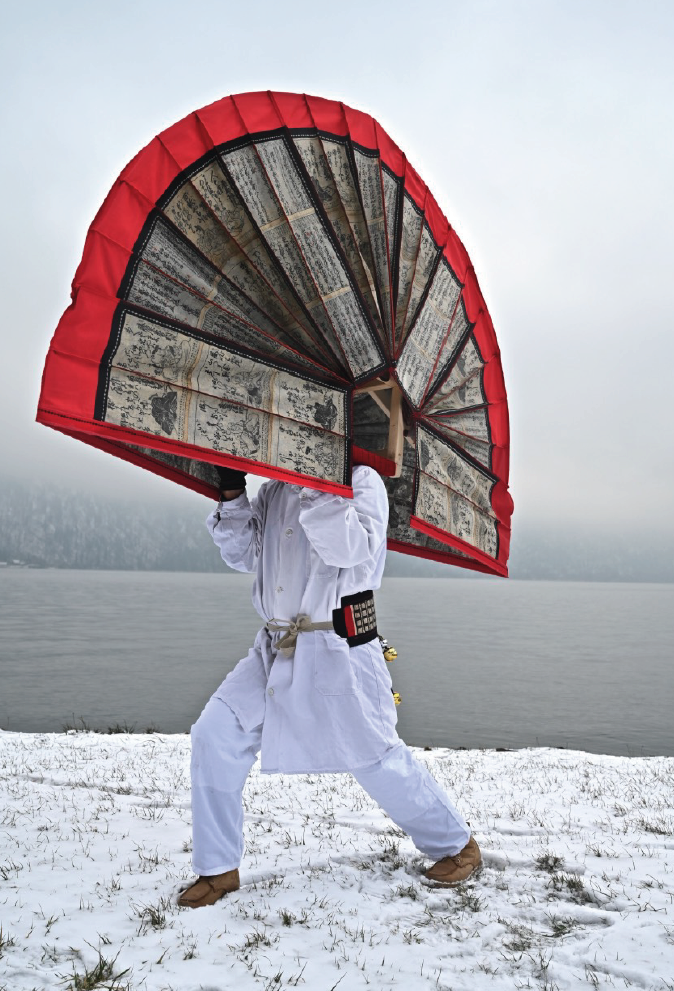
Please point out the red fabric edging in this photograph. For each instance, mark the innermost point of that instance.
(384, 466)
(444, 557)
(491, 565)
(122, 436)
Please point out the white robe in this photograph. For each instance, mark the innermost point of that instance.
(330, 707)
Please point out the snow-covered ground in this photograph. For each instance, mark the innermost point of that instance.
(577, 889)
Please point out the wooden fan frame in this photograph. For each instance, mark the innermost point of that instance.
(387, 395)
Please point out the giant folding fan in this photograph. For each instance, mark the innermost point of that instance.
(270, 285)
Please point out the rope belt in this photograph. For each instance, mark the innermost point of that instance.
(303, 624)
(355, 621)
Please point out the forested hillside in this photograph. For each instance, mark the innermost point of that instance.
(65, 529)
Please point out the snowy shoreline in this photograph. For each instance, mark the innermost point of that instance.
(577, 888)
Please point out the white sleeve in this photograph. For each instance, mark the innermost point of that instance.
(236, 527)
(347, 532)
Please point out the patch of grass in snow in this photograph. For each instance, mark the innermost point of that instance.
(5, 941)
(101, 975)
(521, 938)
(541, 966)
(289, 918)
(276, 981)
(591, 976)
(49, 953)
(488, 968)
(152, 916)
(651, 882)
(561, 925)
(150, 812)
(390, 854)
(149, 859)
(549, 862)
(468, 901)
(407, 891)
(9, 868)
(269, 883)
(258, 938)
(659, 827)
(572, 887)
(596, 851)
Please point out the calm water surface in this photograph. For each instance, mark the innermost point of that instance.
(480, 663)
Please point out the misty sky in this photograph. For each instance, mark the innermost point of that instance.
(544, 129)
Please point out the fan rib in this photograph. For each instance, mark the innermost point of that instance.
(431, 377)
(315, 338)
(316, 303)
(367, 266)
(390, 236)
(401, 311)
(422, 299)
(334, 240)
(432, 429)
(309, 333)
(472, 370)
(362, 162)
(318, 296)
(140, 259)
(351, 145)
(296, 357)
(310, 147)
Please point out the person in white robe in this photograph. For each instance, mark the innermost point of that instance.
(315, 704)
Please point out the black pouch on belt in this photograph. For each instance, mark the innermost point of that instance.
(355, 621)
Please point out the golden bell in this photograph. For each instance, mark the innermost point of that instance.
(396, 698)
(390, 654)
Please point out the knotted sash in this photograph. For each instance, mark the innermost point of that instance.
(292, 629)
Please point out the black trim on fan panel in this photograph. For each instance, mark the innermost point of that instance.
(424, 424)
(155, 218)
(215, 155)
(468, 336)
(101, 400)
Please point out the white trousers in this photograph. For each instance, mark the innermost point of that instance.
(223, 754)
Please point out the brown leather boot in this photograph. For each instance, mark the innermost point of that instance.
(454, 870)
(207, 890)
